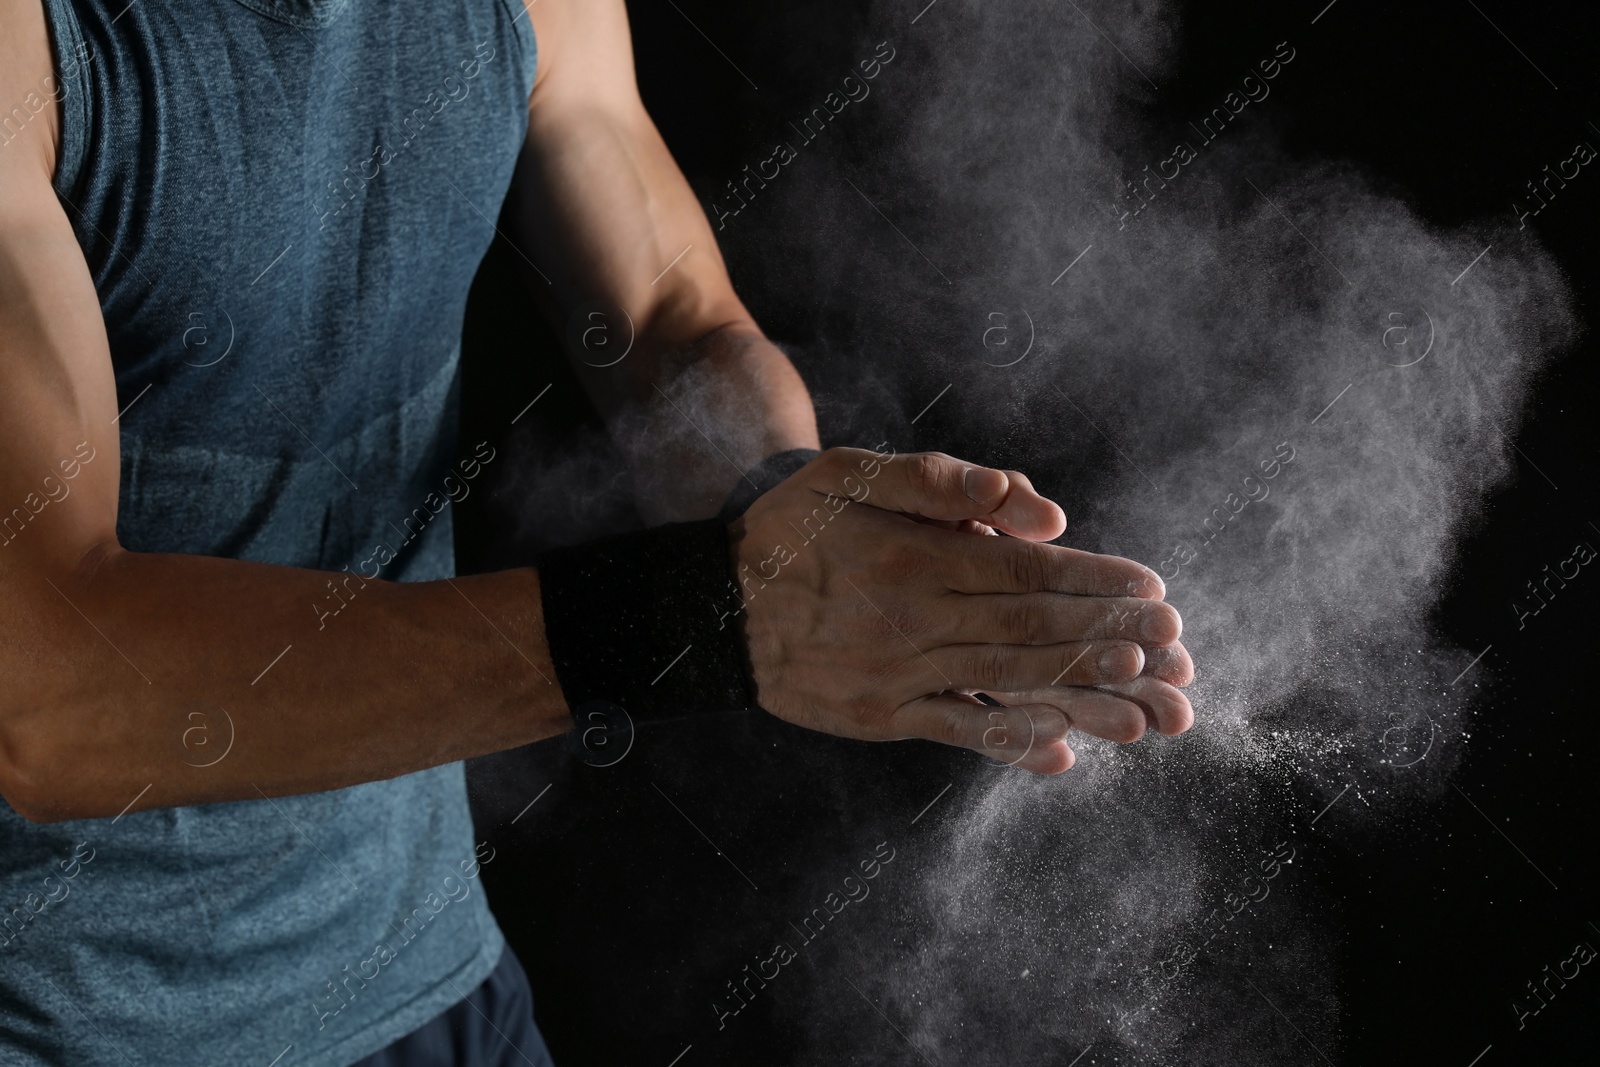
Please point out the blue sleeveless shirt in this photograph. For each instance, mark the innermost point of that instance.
(282, 204)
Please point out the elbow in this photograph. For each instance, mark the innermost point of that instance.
(42, 766)
(38, 760)
(49, 701)
(26, 788)
(20, 775)
(34, 774)
(47, 794)
(43, 791)
(37, 816)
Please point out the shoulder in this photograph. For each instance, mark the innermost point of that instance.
(30, 94)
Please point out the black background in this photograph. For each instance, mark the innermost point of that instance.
(627, 918)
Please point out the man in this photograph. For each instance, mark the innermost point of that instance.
(235, 245)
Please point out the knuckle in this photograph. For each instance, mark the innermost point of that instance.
(1123, 621)
(1027, 566)
(836, 462)
(1144, 582)
(1028, 623)
(925, 472)
(993, 666)
(955, 727)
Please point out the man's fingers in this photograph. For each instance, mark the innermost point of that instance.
(894, 608)
(1049, 618)
(1120, 712)
(1011, 565)
(1101, 712)
(1015, 667)
(1029, 731)
(1170, 663)
(1027, 737)
(933, 485)
(1041, 756)
(1025, 513)
(1165, 709)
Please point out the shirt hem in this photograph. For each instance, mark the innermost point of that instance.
(384, 1031)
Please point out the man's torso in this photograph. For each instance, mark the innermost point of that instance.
(282, 206)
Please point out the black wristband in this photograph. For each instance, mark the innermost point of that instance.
(762, 477)
(648, 621)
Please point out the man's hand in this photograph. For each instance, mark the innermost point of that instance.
(873, 612)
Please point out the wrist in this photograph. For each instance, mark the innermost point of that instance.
(762, 478)
(644, 621)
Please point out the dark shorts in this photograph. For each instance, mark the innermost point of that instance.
(493, 1027)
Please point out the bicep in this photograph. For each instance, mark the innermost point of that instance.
(58, 439)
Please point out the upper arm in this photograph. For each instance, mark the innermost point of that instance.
(57, 392)
(58, 445)
(600, 203)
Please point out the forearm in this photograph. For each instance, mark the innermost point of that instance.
(142, 669)
(702, 416)
(620, 254)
